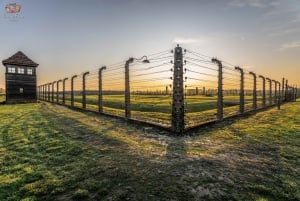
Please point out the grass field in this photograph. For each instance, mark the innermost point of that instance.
(157, 108)
(49, 152)
(2, 97)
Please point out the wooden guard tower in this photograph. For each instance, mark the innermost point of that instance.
(20, 79)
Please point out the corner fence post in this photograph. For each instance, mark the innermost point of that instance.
(127, 89)
(57, 91)
(53, 83)
(270, 90)
(72, 90)
(220, 89)
(178, 93)
(64, 91)
(242, 92)
(83, 90)
(100, 93)
(254, 91)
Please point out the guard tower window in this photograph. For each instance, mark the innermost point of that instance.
(21, 70)
(11, 70)
(29, 71)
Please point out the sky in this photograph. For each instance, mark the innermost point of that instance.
(68, 37)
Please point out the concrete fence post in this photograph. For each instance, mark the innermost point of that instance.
(127, 89)
(45, 92)
(292, 93)
(53, 83)
(220, 89)
(178, 93)
(40, 92)
(279, 96)
(49, 91)
(276, 92)
(270, 90)
(72, 90)
(254, 91)
(263, 91)
(64, 91)
(242, 92)
(41, 88)
(282, 91)
(127, 84)
(57, 91)
(286, 90)
(100, 92)
(84, 90)
(296, 93)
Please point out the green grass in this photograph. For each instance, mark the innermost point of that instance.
(2, 97)
(157, 108)
(49, 152)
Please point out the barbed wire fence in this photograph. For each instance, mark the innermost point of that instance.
(177, 89)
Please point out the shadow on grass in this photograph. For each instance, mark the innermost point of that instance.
(65, 155)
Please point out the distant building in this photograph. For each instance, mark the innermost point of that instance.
(20, 79)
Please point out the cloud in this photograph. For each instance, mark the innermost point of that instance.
(282, 20)
(284, 31)
(183, 40)
(253, 3)
(289, 45)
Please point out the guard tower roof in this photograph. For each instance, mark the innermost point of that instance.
(20, 59)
